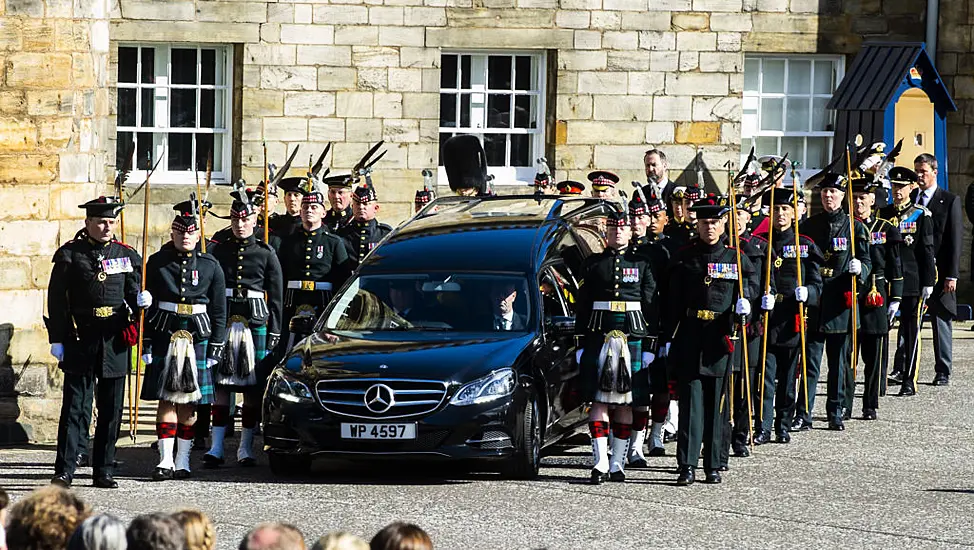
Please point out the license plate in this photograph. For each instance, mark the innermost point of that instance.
(378, 431)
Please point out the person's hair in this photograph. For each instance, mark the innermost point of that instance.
(284, 537)
(200, 534)
(399, 535)
(928, 159)
(340, 540)
(155, 532)
(101, 532)
(4, 499)
(657, 152)
(45, 519)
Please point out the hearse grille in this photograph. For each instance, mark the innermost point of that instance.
(381, 398)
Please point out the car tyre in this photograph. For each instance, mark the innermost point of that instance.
(288, 465)
(527, 445)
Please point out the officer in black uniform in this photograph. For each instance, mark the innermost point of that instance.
(884, 287)
(92, 299)
(284, 224)
(184, 334)
(829, 321)
(570, 187)
(700, 304)
(917, 257)
(681, 227)
(784, 325)
(365, 232)
(340, 199)
(314, 262)
(255, 301)
(614, 346)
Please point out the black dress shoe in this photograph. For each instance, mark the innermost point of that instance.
(686, 476)
(762, 437)
(210, 461)
(62, 480)
(248, 462)
(617, 477)
(105, 481)
(657, 451)
(836, 425)
(598, 477)
(162, 474)
(723, 468)
(182, 474)
(83, 460)
(783, 437)
(713, 476)
(668, 437)
(907, 391)
(801, 425)
(639, 463)
(896, 377)
(847, 414)
(941, 380)
(740, 450)
(869, 414)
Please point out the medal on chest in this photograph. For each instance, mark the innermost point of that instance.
(722, 271)
(778, 262)
(630, 274)
(320, 253)
(789, 251)
(877, 237)
(839, 244)
(196, 278)
(908, 227)
(908, 240)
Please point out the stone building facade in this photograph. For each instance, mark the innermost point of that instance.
(608, 79)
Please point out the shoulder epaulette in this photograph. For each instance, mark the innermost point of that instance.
(385, 226)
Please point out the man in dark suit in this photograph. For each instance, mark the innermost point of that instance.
(947, 227)
(502, 297)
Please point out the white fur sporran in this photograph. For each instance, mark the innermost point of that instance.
(179, 383)
(615, 374)
(239, 359)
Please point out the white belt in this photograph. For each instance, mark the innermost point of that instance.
(182, 309)
(308, 285)
(617, 306)
(249, 293)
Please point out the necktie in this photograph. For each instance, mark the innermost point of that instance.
(500, 323)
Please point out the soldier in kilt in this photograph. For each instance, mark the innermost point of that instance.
(617, 288)
(184, 335)
(254, 300)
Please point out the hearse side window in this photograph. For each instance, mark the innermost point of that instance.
(551, 302)
(566, 285)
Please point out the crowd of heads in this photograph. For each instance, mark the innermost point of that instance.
(54, 518)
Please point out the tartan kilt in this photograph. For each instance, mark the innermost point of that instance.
(259, 334)
(589, 365)
(152, 380)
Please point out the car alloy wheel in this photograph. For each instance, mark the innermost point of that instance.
(527, 450)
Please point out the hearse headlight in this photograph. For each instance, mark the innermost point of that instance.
(493, 386)
(288, 389)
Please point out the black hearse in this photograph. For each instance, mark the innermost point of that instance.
(453, 340)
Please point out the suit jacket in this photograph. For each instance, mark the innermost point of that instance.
(518, 323)
(948, 226)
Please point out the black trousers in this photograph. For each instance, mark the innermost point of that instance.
(838, 361)
(906, 341)
(80, 390)
(701, 400)
(780, 393)
(871, 348)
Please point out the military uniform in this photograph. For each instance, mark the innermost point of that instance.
(91, 301)
(617, 288)
(829, 320)
(699, 298)
(682, 231)
(423, 197)
(918, 262)
(283, 225)
(362, 236)
(570, 187)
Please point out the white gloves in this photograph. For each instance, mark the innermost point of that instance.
(801, 293)
(648, 358)
(578, 356)
(855, 266)
(664, 350)
(767, 302)
(211, 362)
(926, 292)
(147, 358)
(892, 309)
(743, 307)
(144, 299)
(57, 350)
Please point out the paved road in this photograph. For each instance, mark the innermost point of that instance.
(904, 481)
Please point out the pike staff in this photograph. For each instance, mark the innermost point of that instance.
(735, 231)
(852, 249)
(801, 305)
(133, 422)
(267, 224)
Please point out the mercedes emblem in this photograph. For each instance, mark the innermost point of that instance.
(379, 398)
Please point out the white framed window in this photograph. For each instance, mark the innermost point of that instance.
(499, 96)
(784, 107)
(174, 106)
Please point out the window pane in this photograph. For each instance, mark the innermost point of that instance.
(495, 145)
(525, 111)
(180, 152)
(128, 64)
(465, 110)
(443, 138)
(204, 144)
(765, 146)
(148, 65)
(183, 66)
(818, 153)
(752, 75)
(773, 76)
(144, 148)
(182, 109)
(448, 71)
(797, 114)
(771, 114)
(126, 107)
(795, 147)
(465, 72)
(123, 143)
(448, 110)
(746, 145)
(823, 77)
(207, 66)
(521, 150)
(799, 77)
(498, 111)
(499, 72)
(523, 73)
(208, 109)
(821, 117)
(148, 109)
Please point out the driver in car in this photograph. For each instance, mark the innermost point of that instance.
(502, 297)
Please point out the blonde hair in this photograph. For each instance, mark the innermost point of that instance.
(340, 540)
(45, 519)
(200, 534)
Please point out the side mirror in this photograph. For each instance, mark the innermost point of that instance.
(562, 326)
